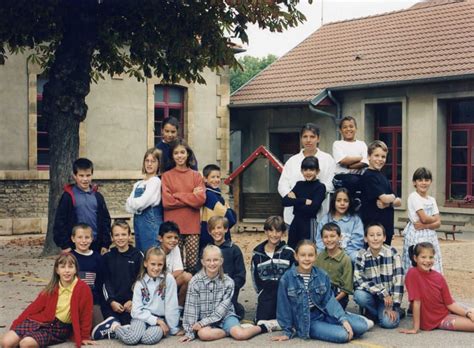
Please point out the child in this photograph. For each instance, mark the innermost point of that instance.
(169, 134)
(89, 262)
(209, 311)
(183, 196)
(144, 202)
(424, 219)
(270, 260)
(350, 156)
(378, 278)
(428, 292)
(234, 265)
(215, 204)
(62, 310)
(377, 197)
(120, 269)
(155, 310)
(342, 213)
(307, 307)
(82, 202)
(336, 263)
(306, 198)
(169, 239)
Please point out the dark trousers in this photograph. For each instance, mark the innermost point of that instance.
(266, 304)
(349, 181)
(107, 311)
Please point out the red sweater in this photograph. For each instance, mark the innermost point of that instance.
(43, 310)
(180, 204)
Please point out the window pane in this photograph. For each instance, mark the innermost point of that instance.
(399, 156)
(175, 113)
(399, 173)
(388, 171)
(389, 156)
(399, 138)
(43, 158)
(159, 114)
(399, 189)
(459, 174)
(388, 115)
(459, 156)
(40, 82)
(462, 111)
(159, 94)
(458, 138)
(458, 191)
(386, 138)
(43, 141)
(175, 95)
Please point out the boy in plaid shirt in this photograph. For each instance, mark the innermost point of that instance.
(378, 279)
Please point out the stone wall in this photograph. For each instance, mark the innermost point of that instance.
(24, 204)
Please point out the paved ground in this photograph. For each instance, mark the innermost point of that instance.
(23, 274)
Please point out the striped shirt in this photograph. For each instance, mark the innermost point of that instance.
(380, 275)
(306, 277)
(208, 301)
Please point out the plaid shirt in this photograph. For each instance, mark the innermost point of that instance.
(208, 301)
(381, 275)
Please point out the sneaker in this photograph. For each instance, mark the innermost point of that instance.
(402, 313)
(104, 329)
(245, 325)
(271, 325)
(370, 323)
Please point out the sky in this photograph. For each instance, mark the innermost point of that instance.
(263, 42)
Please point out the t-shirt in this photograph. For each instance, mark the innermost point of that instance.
(306, 277)
(342, 149)
(174, 261)
(431, 289)
(417, 202)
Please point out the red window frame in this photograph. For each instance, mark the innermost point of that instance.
(42, 152)
(394, 161)
(166, 106)
(468, 128)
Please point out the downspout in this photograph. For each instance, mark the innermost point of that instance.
(338, 117)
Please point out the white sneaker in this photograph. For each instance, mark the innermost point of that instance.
(370, 323)
(271, 325)
(245, 325)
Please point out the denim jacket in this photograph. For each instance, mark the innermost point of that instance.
(293, 312)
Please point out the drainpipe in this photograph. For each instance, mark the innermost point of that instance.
(338, 117)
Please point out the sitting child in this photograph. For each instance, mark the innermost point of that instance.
(270, 260)
(432, 304)
(380, 297)
(336, 263)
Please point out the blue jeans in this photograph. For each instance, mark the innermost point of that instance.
(146, 225)
(376, 308)
(328, 329)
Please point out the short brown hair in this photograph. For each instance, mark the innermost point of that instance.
(155, 153)
(376, 144)
(274, 222)
(215, 220)
(121, 223)
(81, 226)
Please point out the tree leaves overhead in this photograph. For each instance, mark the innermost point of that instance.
(248, 67)
(174, 39)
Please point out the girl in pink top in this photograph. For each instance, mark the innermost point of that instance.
(183, 195)
(428, 292)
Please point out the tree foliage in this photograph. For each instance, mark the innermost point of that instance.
(79, 41)
(249, 67)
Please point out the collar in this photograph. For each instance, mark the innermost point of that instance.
(205, 277)
(215, 190)
(226, 244)
(68, 288)
(345, 218)
(148, 279)
(338, 257)
(87, 253)
(384, 252)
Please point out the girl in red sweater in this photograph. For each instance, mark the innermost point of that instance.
(428, 293)
(183, 195)
(63, 309)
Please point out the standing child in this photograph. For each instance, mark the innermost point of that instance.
(377, 196)
(120, 269)
(215, 204)
(155, 310)
(82, 202)
(307, 307)
(341, 212)
(378, 279)
(183, 197)
(270, 260)
(234, 265)
(350, 155)
(63, 309)
(144, 202)
(169, 239)
(209, 312)
(336, 263)
(89, 262)
(306, 199)
(428, 292)
(169, 134)
(424, 219)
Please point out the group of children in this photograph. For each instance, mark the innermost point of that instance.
(184, 272)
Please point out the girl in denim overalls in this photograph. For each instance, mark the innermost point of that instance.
(307, 307)
(145, 202)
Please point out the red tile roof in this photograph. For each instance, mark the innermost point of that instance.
(429, 40)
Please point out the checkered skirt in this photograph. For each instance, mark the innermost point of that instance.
(45, 334)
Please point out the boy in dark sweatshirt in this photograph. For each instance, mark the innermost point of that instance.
(270, 260)
(121, 266)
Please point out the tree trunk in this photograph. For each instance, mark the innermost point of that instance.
(64, 103)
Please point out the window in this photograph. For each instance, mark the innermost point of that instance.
(460, 156)
(42, 142)
(169, 101)
(388, 128)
